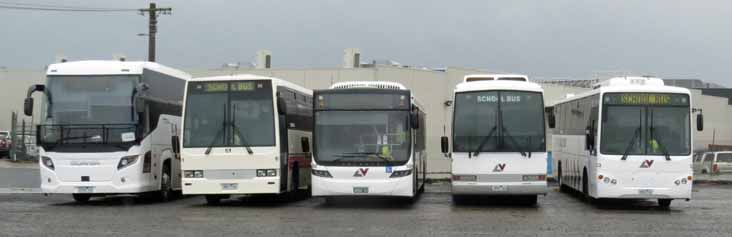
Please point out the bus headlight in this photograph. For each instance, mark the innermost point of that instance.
(683, 181)
(266, 172)
(533, 177)
(468, 178)
(400, 173)
(321, 173)
(193, 173)
(677, 182)
(126, 161)
(48, 162)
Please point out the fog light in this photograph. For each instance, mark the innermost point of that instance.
(677, 182)
(606, 180)
(683, 181)
(49, 180)
(122, 179)
(614, 181)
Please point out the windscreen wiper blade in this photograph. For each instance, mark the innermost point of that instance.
(216, 137)
(510, 138)
(636, 134)
(245, 143)
(485, 141)
(660, 143)
(341, 157)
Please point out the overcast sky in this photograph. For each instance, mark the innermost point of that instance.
(544, 39)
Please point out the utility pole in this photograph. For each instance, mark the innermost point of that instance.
(153, 13)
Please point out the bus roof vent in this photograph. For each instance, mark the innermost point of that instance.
(368, 84)
(630, 81)
(495, 77)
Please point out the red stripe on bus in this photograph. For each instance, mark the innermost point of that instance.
(303, 162)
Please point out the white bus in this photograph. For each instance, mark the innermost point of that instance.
(628, 138)
(245, 135)
(368, 141)
(498, 137)
(106, 128)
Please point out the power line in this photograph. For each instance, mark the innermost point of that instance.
(47, 7)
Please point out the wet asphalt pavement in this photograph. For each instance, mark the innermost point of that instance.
(434, 214)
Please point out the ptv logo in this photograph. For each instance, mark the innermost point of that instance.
(499, 167)
(647, 164)
(360, 172)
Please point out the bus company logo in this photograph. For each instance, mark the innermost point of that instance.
(360, 172)
(647, 164)
(499, 168)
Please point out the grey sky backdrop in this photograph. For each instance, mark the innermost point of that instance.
(545, 39)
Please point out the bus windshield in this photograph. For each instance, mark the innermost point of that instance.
(362, 136)
(90, 99)
(499, 121)
(645, 124)
(231, 114)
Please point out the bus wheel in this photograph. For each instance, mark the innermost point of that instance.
(166, 184)
(531, 200)
(81, 198)
(457, 199)
(213, 199)
(664, 203)
(586, 188)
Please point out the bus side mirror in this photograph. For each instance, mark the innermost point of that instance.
(444, 144)
(551, 120)
(414, 117)
(281, 105)
(699, 122)
(305, 143)
(28, 106)
(175, 142)
(139, 104)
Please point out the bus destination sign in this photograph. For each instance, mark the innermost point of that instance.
(651, 99)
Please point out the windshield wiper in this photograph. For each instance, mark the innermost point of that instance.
(216, 137)
(245, 143)
(341, 157)
(636, 134)
(485, 141)
(388, 162)
(658, 141)
(510, 138)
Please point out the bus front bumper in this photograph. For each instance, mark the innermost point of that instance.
(400, 187)
(499, 188)
(259, 185)
(96, 187)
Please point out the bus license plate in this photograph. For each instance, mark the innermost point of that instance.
(645, 191)
(360, 189)
(85, 189)
(233, 186)
(498, 188)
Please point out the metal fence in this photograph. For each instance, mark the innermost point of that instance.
(23, 139)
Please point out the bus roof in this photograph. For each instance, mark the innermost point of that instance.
(368, 84)
(111, 67)
(245, 77)
(627, 84)
(498, 85)
(495, 77)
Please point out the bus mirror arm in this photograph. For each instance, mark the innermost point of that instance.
(414, 117)
(175, 143)
(28, 102)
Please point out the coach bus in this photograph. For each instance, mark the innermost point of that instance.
(628, 138)
(369, 140)
(106, 128)
(245, 135)
(498, 138)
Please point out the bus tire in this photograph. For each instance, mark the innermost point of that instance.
(531, 200)
(81, 198)
(586, 188)
(458, 199)
(166, 184)
(664, 203)
(213, 200)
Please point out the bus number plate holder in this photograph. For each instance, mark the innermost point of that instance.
(360, 189)
(231, 186)
(645, 191)
(85, 189)
(498, 188)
